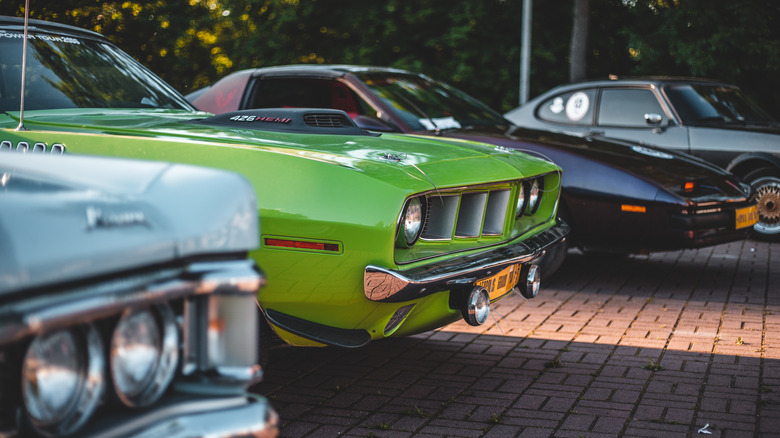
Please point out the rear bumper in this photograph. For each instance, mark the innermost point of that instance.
(390, 286)
(187, 416)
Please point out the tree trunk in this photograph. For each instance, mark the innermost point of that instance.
(578, 64)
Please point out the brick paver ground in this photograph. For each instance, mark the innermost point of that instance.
(646, 346)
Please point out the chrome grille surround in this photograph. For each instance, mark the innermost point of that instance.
(476, 216)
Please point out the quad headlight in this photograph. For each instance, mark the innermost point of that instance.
(411, 223)
(144, 355)
(534, 195)
(529, 196)
(522, 200)
(62, 379)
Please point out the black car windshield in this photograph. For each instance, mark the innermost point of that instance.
(714, 103)
(424, 104)
(70, 72)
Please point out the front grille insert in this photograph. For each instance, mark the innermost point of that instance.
(466, 215)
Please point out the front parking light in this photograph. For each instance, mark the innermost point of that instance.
(530, 281)
(477, 306)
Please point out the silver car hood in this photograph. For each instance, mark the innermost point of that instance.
(68, 218)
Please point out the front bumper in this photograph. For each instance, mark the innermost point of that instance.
(183, 416)
(389, 286)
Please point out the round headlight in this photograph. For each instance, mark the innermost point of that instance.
(412, 221)
(143, 355)
(62, 379)
(521, 200)
(534, 196)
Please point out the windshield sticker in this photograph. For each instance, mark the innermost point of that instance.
(557, 105)
(651, 152)
(440, 123)
(57, 39)
(577, 106)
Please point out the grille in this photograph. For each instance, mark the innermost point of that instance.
(326, 120)
(465, 215)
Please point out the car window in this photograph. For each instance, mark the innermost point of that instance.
(572, 108)
(703, 103)
(425, 104)
(628, 107)
(71, 72)
(271, 92)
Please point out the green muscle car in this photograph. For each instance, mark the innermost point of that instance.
(364, 236)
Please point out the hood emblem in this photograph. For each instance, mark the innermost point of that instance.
(392, 157)
(96, 218)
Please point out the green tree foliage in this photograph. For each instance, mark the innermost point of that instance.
(474, 45)
(737, 42)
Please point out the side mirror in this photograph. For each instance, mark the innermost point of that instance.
(653, 119)
(372, 124)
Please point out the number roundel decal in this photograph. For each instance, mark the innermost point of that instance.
(577, 106)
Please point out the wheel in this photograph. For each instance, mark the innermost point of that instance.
(766, 193)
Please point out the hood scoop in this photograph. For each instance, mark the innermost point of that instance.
(294, 120)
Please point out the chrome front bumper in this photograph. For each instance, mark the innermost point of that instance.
(238, 416)
(389, 286)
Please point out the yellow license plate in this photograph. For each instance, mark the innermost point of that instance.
(501, 283)
(747, 216)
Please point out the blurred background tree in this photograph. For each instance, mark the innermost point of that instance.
(474, 45)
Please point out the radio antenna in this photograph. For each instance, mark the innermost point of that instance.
(24, 66)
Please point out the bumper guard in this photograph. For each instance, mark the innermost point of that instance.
(388, 286)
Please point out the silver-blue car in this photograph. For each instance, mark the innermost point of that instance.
(127, 300)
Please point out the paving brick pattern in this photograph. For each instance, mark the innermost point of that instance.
(642, 346)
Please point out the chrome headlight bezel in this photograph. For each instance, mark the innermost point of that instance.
(160, 325)
(522, 199)
(82, 347)
(411, 222)
(535, 190)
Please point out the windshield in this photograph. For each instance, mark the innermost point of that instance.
(69, 72)
(714, 103)
(424, 104)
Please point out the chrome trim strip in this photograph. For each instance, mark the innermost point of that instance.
(388, 286)
(247, 415)
(91, 302)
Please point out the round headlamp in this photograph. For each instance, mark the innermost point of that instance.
(534, 195)
(412, 220)
(62, 379)
(521, 200)
(144, 353)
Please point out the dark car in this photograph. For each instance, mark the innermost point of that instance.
(709, 119)
(616, 196)
(125, 298)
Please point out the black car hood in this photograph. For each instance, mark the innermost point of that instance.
(667, 168)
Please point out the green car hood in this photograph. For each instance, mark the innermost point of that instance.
(437, 162)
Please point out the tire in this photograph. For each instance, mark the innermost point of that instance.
(766, 193)
(552, 260)
(554, 257)
(264, 334)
